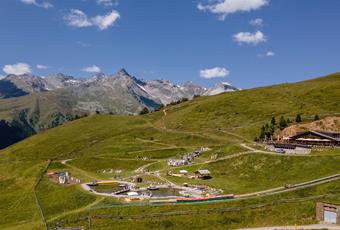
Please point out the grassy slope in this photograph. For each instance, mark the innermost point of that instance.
(189, 126)
(43, 104)
(255, 172)
(245, 111)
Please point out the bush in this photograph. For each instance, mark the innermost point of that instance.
(273, 121)
(144, 111)
(283, 123)
(298, 118)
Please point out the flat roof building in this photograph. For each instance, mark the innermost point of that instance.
(328, 213)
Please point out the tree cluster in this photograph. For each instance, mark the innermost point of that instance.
(179, 101)
(268, 129)
(144, 111)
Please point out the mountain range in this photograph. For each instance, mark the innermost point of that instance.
(32, 103)
(120, 87)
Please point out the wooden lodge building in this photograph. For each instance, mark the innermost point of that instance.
(315, 138)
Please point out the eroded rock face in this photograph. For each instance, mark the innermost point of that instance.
(326, 124)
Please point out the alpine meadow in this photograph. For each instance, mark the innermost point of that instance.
(166, 142)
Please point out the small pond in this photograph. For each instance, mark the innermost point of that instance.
(106, 188)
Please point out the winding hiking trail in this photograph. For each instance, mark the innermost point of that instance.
(97, 201)
(293, 187)
(163, 118)
(142, 168)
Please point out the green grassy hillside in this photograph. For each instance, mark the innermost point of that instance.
(220, 122)
(243, 112)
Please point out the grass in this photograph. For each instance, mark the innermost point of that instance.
(288, 209)
(97, 165)
(256, 172)
(56, 199)
(221, 122)
(244, 112)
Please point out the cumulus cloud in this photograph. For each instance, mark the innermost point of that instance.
(104, 22)
(77, 18)
(42, 67)
(257, 22)
(42, 4)
(226, 7)
(250, 38)
(92, 69)
(214, 72)
(18, 69)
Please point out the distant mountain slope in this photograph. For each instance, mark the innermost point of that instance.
(34, 84)
(219, 88)
(27, 82)
(8, 89)
(167, 92)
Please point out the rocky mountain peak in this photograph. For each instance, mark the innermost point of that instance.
(123, 72)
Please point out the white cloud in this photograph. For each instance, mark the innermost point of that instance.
(267, 54)
(226, 7)
(257, 22)
(104, 22)
(77, 18)
(42, 67)
(107, 2)
(270, 54)
(214, 72)
(92, 69)
(43, 4)
(250, 38)
(18, 69)
(2, 77)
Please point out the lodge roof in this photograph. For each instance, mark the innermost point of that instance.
(327, 135)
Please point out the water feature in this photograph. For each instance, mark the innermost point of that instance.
(160, 192)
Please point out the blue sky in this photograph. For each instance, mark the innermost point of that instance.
(246, 42)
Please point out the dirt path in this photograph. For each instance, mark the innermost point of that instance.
(155, 142)
(65, 161)
(142, 169)
(83, 172)
(163, 118)
(157, 174)
(282, 189)
(97, 201)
